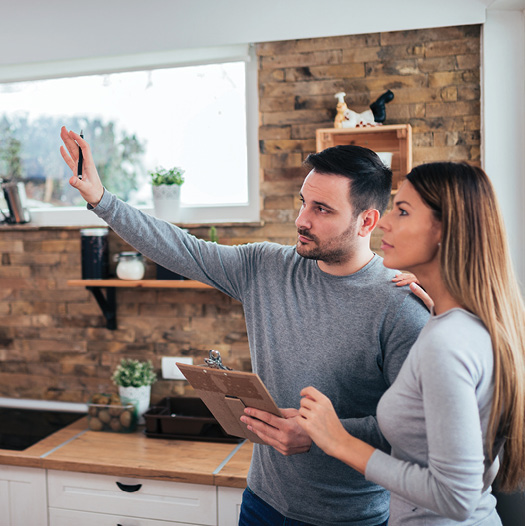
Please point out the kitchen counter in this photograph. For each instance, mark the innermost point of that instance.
(75, 448)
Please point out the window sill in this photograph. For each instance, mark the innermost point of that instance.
(32, 226)
(82, 217)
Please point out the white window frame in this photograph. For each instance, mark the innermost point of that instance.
(74, 216)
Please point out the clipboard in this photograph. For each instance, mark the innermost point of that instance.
(226, 393)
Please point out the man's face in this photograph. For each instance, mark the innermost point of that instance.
(326, 226)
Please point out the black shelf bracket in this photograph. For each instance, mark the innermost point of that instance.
(107, 304)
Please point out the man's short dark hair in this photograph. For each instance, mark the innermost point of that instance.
(370, 179)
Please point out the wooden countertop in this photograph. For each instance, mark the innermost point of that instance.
(75, 448)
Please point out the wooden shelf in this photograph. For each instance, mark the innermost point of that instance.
(394, 138)
(144, 283)
(108, 302)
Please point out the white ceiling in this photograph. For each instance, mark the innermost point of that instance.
(36, 31)
(506, 4)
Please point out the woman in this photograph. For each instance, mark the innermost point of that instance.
(460, 395)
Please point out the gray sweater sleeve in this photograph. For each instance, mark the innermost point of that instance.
(172, 248)
(454, 382)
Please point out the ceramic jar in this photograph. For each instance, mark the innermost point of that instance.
(130, 266)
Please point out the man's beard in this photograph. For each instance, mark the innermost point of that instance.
(335, 251)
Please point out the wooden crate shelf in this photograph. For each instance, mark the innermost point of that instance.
(395, 138)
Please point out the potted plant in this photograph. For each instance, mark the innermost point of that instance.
(165, 184)
(134, 379)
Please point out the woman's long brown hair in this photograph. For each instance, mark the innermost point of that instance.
(477, 271)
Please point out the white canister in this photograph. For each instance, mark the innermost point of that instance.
(130, 266)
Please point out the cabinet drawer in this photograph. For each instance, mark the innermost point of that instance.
(150, 499)
(58, 517)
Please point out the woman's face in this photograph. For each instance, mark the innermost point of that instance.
(411, 233)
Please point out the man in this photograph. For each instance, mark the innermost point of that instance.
(324, 313)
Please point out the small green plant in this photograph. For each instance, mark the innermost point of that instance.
(165, 176)
(132, 373)
(213, 234)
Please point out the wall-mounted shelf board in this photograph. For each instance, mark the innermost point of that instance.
(108, 303)
(145, 283)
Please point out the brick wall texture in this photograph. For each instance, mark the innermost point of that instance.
(53, 340)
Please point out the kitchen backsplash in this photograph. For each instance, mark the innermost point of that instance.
(53, 340)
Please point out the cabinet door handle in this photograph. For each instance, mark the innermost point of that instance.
(130, 488)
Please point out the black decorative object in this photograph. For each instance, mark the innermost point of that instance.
(164, 273)
(378, 107)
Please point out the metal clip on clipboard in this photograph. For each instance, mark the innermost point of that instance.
(215, 361)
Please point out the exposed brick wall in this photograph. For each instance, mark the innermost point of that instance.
(53, 340)
(435, 77)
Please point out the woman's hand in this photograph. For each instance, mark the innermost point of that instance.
(406, 278)
(422, 295)
(319, 419)
(90, 186)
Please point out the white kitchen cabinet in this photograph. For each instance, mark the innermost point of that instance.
(79, 496)
(23, 499)
(229, 505)
(59, 517)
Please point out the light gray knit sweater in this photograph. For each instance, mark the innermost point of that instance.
(439, 471)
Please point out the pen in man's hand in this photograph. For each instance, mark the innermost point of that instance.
(80, 158)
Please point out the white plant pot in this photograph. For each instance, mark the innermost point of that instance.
(139, 397)
(166, 202)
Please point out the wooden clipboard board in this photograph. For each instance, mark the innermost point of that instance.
(226, 393)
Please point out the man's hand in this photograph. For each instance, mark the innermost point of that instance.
(90, 186)
(283, 434)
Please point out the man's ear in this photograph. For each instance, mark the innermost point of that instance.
(368, 221)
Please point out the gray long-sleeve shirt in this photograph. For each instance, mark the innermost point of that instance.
(439, 471)
(345, 335)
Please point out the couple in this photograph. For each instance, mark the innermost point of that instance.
(325, 314)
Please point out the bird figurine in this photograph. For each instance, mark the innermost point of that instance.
(347, 118)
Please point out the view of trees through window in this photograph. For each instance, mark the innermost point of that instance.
(193, 117)
(119, 158)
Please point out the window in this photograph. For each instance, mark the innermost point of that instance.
(199, 114)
